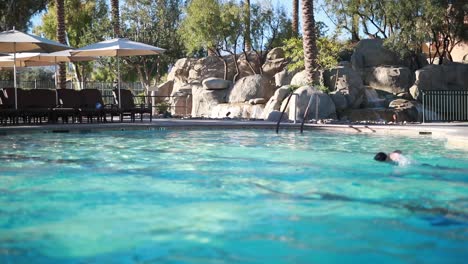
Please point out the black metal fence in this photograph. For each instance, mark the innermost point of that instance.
(445, 106)
(104, 87)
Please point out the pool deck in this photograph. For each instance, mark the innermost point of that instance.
(456, 134)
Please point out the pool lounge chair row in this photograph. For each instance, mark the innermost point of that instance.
(44, 105)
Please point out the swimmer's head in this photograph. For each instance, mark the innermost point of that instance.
(380, 156)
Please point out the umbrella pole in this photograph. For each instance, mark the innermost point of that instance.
(55, 75)
(118, 81)
(14, 75)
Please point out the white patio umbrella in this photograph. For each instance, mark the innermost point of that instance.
(118, 47)
(16, 41)
(54, 58)
(21, 60)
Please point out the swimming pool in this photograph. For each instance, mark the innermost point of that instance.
(230, 196)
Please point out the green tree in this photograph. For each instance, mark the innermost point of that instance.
(310, 41)
(201, 27)
(17, 13)
(271, 26)
(88, 23)
(213, 26)
(405, 25)
(153, 22)
(329, 50)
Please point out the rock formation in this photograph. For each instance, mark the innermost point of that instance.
(374, 85)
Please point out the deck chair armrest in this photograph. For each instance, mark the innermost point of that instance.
(111, 106)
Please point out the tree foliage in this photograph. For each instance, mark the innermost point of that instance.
(17, 13)
(201, 28)
(88, 23)
(219, 28)
(329, 50)
(154, 22)
(405, 24)
(271, 26)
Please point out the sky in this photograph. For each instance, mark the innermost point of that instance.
(287, 4)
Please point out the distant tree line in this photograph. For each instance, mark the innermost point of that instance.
(235, 27)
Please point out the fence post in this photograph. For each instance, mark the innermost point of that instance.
(317, 101)
(423, 106)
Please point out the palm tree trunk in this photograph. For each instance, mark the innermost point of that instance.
(115, 17)
(295, 19)
(61, 38)
(248, 41)
(309, 41)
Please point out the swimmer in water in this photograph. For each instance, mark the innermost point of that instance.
(395, 157)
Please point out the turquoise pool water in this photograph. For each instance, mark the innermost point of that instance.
(230, 196)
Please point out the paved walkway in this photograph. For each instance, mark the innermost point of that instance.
(455, 133)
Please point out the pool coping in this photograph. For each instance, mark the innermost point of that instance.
(456, 134)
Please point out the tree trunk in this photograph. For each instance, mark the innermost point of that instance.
(61, 38)
(248, 41)
(211, 52)
(115, 17)
(295, 19)
(309, 41)
(355, 29)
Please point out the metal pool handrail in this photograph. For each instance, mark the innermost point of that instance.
(284, 110)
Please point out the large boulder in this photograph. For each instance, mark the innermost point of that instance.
(271, 67)
(180, 71)
(162, 92)
(215, 84)
(372, 99)
(284, 77)
(368, 114)
(453, 76)
(211, 66)
(275, 115)
(321, 101)
(181, 103)
(372, 53)
(405, 110)
(276, 53)
(204, 100)
(275, 101)
(250, 87)
(300, 79)
(456, 75)
(248, 65)
(391, 79)
(341, 103)
(237, 110)
(347, 83)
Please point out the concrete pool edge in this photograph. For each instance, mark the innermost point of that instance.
(456, 134)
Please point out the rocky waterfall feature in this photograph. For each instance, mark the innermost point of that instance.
(375, 85)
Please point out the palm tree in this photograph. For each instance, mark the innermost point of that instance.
(61, 38)
(248, 41)
(309, 41)
(295, 20)
(115, 17)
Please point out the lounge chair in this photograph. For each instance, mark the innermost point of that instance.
(92, 106)
(128, 107)
(8, 113)
(36, 105)
(69, 102)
